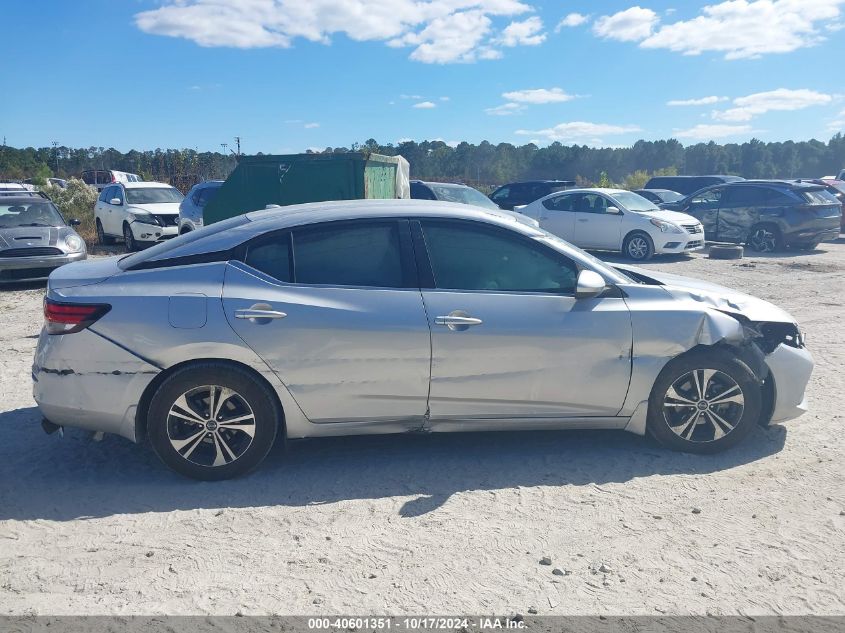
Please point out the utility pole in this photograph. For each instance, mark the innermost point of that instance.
(56, 152)
(224, 146)
(238, 141)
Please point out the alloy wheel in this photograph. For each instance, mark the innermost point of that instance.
(128, 238)
(638, 247)
(211, 425)
(763, 240)
(703, 405)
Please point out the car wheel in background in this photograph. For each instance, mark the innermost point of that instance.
(129, 238)
(765, 238)
(638, 246)
(704, 402)
(212, 421)
(102, 238)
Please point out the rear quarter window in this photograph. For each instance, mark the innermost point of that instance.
(820, 196)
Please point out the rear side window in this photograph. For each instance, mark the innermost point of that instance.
(204, 196)
(272, 257)
(778, 198)
(746, 196)
(819, 196)
(562, 203)
(473, 257)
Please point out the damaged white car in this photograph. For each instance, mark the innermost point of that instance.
(394, 316)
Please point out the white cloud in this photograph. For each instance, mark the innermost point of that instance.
(740, 29)
(572, 20)
(697, 102)
(441, 31)
(630, 25)
(424, 105)
(445, 99)
(506, 109)
(709, 132)
(781, 100)
(580, 132)
(311, 126)
(538, 95)
(525, 33)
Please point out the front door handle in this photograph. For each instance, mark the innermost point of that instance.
(457, 321)
(260, 313)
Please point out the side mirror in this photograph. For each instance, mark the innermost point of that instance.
(115, 201)
(614, 211)
(590, 284)
(75, 222)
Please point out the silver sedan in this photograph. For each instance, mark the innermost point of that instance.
(358, 317)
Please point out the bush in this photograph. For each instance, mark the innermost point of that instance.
(76, 202)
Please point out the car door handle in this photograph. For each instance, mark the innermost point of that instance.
(252, 313)
(457, 321)
(583, 219)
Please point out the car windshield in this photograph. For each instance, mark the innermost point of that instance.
(670, 196)
(36, 213)
(153, 195)
(462, 195)
(634, 202)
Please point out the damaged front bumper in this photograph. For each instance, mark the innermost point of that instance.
(790, 369)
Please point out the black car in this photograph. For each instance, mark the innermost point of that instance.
(518, 194)
(767, 215)
(687, 185)
(659, 196)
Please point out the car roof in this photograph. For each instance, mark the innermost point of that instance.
(539, 182)
(656, 190)
(144, 185)
(442, 184)
(606, 191)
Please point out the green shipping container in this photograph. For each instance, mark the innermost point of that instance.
(296, 178)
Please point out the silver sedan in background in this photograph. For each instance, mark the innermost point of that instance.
(35, 239)
(394, 316)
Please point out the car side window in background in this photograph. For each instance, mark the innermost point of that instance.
(88, 177)
(501, 194)
(469, 256)
(205, 195)
(562, 203)
(777, 198)
(746, 196)
(710, 198)
(592, 203)
(272, 257)
(353, 254)
(102, 197)
(421, 192)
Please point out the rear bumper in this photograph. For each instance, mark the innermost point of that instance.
(791, 369)
(13, 269)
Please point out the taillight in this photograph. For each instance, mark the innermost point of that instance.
(67, 318)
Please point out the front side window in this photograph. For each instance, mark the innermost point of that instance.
(592, 203)
(205, 195)
(501, 194)
(471, 256)
(744, 196)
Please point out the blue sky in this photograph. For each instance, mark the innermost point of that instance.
(287, 75)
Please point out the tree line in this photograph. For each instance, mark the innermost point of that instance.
(481, 164)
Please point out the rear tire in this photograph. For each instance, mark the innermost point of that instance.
(638, 246)
(704, 402)
(102, 238)
(129, 238)
(765, 238)
(212, 421)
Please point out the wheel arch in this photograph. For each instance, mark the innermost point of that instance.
(149, 392)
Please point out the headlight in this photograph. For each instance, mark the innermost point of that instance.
(74, 243)
(144, 218)
(666, 227)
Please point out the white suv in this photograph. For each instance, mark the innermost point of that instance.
(616, 220)
(139, 212)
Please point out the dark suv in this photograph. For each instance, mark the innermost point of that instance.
(688, 184)
(767, 215)
(518, 194)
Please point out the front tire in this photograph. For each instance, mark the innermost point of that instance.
(129, 238)
(212, 421)
(704, 402)
(638, 246)
(102, 238)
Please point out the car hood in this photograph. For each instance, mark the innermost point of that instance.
(29, 236)
(670, 216)
(160, 208)
(711, 295)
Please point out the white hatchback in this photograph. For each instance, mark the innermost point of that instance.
(139, 212)
(616, 220)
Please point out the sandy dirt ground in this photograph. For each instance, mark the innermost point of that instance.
(441, 524)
